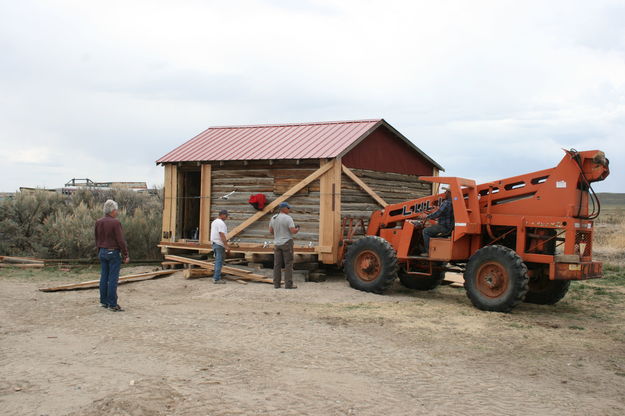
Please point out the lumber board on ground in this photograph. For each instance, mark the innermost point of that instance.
(21, 260)
(235, 279)
(22, 265)
(95, 283)
(201, 272)
(244, 274)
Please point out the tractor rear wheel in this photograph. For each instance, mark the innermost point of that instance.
(421, 282)
(496, 279)
(371, 264)
(543, 291)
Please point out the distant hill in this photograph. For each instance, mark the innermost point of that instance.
(608, 198)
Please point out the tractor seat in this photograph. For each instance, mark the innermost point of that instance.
(444, 235)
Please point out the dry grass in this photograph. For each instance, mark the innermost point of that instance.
(609, 244)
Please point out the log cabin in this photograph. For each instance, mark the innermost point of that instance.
(333, 174)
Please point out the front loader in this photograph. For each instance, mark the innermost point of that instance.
(517, 239)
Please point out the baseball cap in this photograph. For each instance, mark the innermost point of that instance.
(284, 205)
(223, 212)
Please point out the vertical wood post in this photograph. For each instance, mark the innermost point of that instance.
(170, 205)
(205, 203)
(330, 211)
(435, 185)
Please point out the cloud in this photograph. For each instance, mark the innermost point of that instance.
(487, 88)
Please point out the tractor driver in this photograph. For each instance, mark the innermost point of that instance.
(445, 215)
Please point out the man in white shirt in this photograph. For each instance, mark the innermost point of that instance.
(220, 243)
(283, 229)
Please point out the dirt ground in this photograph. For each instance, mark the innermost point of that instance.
(188, 347)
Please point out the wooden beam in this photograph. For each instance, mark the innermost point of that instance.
(170, 202)
(347, 171)
(323, 249)
(191, 273)
(239, 228)
(435, 185)
(205, 203)
(166, 203)
(95, 283)
(244, 274)
(330, 210)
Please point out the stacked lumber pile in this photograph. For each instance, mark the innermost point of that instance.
(21, 262)
(208, 268)
(96, 283)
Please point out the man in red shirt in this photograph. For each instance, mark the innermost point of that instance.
(112, 248)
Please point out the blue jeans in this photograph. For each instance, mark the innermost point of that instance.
(219, 252)
(433, 231)
(110, 260)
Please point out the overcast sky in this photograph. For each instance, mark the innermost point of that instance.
(488, 89)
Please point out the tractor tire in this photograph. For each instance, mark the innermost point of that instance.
(421, 282)
(371, 264)
(496, 279)
(546, 292)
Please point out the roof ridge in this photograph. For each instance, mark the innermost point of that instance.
(313, 123)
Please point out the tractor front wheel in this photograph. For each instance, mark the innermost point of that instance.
(496, 279)
(371, 264)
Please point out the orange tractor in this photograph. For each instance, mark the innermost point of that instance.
(517, 239)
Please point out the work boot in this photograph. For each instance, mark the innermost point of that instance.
(219, 282)
(116, 308)
(291, 287)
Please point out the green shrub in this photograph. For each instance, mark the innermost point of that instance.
(51, 225)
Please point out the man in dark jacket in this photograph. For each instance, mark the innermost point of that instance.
(445, 215)
(112, 248)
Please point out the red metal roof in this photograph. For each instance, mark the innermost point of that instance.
(279, 141)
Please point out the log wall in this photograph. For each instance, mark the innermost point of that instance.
(392, 187)
(272, 181)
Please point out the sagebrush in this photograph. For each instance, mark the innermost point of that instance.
(50, 225)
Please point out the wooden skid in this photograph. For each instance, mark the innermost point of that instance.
(243, 274)
(170, 264)
(191, 273)
(95, 283)
(455, 279)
